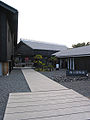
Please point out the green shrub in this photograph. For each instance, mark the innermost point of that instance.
(50, 67)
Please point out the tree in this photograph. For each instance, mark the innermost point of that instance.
(38, 61)
(38, 57)
(88, 43)
(53, 59)
(80, 44)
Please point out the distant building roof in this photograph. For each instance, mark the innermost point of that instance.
(74, 52)
(43, 45)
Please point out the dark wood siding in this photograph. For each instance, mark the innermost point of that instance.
(47, 53)
(23, 50)
(3, 37)
(82, 63)
(10, 44)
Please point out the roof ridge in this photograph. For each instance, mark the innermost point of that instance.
(36, 41)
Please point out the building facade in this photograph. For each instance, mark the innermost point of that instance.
(27, 48)
(76, 58)
(8, 37)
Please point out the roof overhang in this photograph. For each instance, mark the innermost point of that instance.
(74, 56)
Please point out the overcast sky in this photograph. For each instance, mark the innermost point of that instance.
(58, 21)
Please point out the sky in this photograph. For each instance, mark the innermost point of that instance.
(64, 22)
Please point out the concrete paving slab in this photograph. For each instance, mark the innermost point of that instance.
(43, 98)
(47, 107)
(44, 102)
(43, 94)
(39, 82)
(48, 101)
(80, 116)
(43, 114)
(23, 97)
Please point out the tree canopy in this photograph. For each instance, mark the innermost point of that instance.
(80, 44)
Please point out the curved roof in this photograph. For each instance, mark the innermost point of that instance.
(74, 52)
(43, 45)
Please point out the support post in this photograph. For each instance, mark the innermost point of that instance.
(73, 64)
(60, 63)
(68, 63)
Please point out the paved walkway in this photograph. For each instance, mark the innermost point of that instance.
(38, 82)
(47, 101)
(13, 83)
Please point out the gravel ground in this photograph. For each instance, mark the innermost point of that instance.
(79, 84)
(13, 83)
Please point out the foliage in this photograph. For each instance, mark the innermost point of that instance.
(50, 67)
(80, 44)
(88, 43)
(45, 68)
(38, 57)
(40, 64)
(16, 60)
(53, 58)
